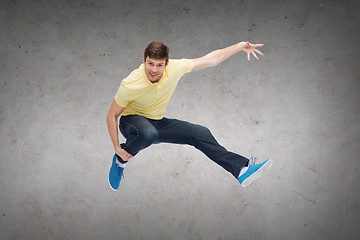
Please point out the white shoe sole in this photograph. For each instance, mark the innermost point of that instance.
(258, 173)
(115, 190)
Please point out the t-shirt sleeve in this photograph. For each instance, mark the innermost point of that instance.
(125, 93)
(186, 65)
(123, 96)
(181, 66)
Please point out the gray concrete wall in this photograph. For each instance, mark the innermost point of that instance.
(61, 63)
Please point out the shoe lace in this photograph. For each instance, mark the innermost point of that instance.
(120, 171)
(252, 161)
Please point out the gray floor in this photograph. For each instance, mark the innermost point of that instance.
(61, 63)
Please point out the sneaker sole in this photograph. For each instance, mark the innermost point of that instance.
(258, 173)
(115, 190)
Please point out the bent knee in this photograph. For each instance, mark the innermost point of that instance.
(201, 132)
(149, 135)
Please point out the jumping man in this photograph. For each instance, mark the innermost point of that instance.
(141, 101)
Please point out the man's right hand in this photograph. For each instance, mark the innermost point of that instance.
(125, 156)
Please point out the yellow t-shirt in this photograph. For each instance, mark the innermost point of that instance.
(141, 97)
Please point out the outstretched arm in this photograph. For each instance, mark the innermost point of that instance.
(218, 56)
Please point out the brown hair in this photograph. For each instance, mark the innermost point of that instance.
(157, 50)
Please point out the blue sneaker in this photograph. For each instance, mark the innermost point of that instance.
(115, 175)
(254, 172)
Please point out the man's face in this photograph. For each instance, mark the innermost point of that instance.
(154, 68)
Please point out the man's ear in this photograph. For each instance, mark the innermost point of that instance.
(143, 60)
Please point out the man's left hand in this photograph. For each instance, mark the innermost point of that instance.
(251, 48)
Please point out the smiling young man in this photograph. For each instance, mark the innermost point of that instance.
(141, 101)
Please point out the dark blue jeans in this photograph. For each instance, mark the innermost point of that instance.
(141, 132)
